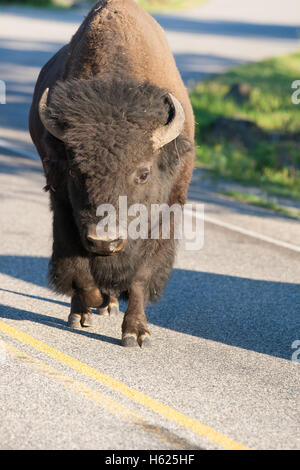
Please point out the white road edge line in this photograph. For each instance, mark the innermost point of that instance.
(234, 228)
(243, 231)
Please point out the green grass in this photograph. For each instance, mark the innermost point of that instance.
(150, 5)
(261, 202)
(272, 165)
(156, 6)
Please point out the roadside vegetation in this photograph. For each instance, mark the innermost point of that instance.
(156, 6)
(150, 5)
(262, 201)
(248, 129)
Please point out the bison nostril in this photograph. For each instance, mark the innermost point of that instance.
(117, 245)
(91, 242)
(103, 246)
(113, 244)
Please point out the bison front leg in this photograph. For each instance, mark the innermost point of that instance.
(135, 330)
(80, 314)
(82, 302)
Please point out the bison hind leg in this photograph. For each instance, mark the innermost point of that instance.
(112, 309)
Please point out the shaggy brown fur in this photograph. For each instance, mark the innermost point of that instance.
(108, 93)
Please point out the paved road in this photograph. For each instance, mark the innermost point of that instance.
(221, 355)
(219, 374)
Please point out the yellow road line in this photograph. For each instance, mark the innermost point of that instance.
(97, 398)
(154, 405)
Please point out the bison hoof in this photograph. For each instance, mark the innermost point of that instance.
(111, 310)
(103, 312)
(78, 320)
(74, 320)
(86, 320)
(131, 340)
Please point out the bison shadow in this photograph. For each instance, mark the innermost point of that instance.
(34, 270)
(261, 316)
(20, 314)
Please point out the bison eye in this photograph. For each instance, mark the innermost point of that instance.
(75, 176)
(143, 177)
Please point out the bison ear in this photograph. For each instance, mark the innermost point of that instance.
(49, 123)
(165, 134)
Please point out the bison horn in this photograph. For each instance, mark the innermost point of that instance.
(48, 123)
(163, 135)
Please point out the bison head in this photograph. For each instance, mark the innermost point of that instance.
(119, 140)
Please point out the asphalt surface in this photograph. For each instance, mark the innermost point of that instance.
(220, 372)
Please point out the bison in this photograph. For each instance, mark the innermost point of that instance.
(111, 117)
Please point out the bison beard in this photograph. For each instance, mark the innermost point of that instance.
(108, 116)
